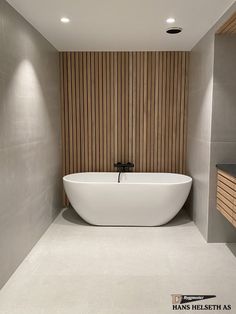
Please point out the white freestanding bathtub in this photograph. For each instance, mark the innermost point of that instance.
(140, 199)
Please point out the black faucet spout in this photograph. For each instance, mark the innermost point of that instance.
(119, 177)
(123, 167)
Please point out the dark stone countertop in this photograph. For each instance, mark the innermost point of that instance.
(228, 168)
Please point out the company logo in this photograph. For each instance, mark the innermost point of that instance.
(182, 298)
(181, 302)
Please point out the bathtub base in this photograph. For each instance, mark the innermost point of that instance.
(123, 223)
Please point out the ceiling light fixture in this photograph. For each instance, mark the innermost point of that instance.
(65, 20)
(170, 20)
(174, 30)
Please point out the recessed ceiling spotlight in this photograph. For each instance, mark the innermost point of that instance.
(65, 20)
(174, 30)
(170, 20)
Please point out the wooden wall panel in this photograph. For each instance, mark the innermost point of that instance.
(229, 27)
(124, 106)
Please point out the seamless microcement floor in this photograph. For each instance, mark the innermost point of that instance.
(76, 268)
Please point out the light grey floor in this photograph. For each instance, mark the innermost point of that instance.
(80, 269)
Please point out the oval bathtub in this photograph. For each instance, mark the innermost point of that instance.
(140, 199)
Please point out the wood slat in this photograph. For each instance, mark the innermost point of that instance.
(226, 181)
(227, 176)
(226, 188)
(124, 106)
(226, 201)
(77, 104)
(223, 206)
(229, 27)
(101, 116)
(93, 113)
(73, 101)
(229, 197)
(137, 135)
(156, 116)
(223, 212)
(226, 196)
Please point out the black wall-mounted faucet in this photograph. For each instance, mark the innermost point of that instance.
(123, 167)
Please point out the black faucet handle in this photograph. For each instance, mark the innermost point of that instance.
(124, 167)
(130, 164)
(118, 164)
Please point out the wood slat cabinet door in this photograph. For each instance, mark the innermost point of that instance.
(226, 196)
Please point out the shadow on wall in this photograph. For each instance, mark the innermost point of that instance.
(232, 248)
(70, 215)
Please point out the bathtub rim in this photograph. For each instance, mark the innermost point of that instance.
(188, 179)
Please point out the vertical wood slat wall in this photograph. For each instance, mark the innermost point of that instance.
(124, 106)
(229, 27)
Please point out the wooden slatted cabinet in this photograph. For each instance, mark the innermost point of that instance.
(226, 196)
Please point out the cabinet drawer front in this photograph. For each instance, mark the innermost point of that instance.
(228, 181)
(227, 216)
(226, 188)
(226, 201)
(223, 206)
(226, 196)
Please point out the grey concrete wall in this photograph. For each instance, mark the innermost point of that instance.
(30, 148)
(201, 147)
(223, 135)
(199, 129)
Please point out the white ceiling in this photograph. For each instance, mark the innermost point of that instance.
(121, 24)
